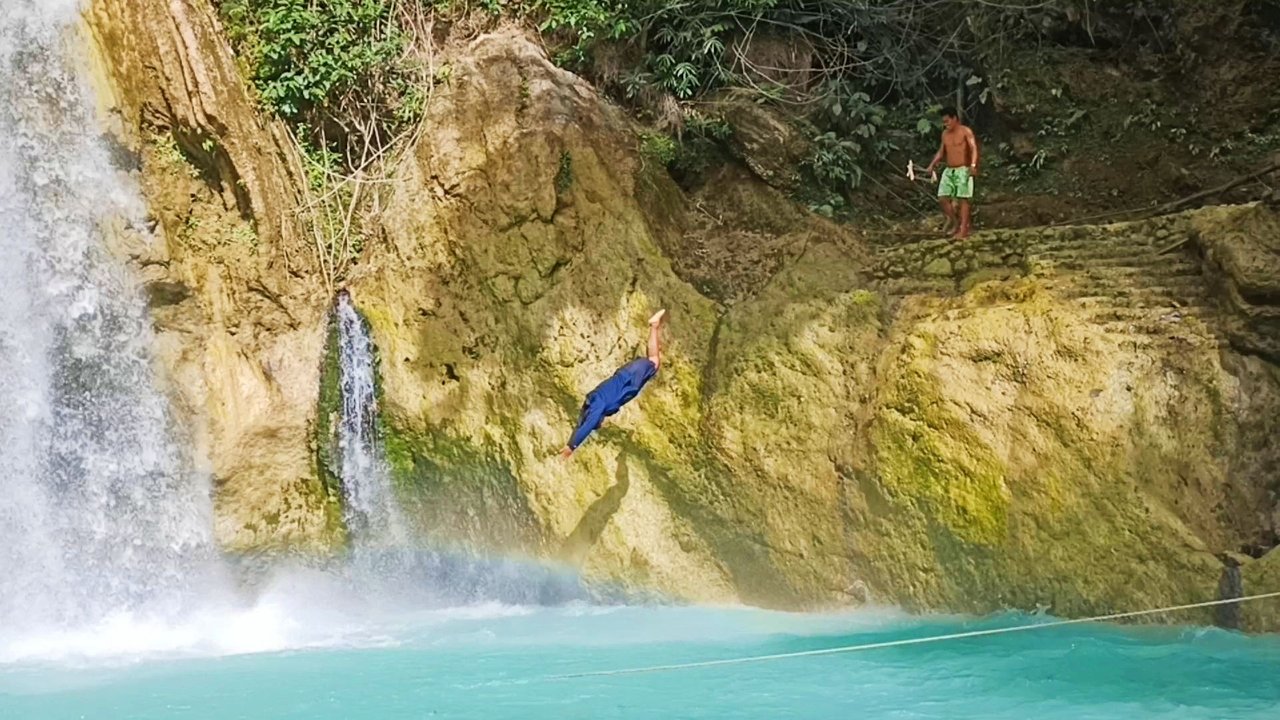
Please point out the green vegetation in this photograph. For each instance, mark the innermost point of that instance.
(658, 147)
(344, 73)
(839, 67)
(862, 81)
(700, 145)
(168, 152)
(338, 70)
(564, 175)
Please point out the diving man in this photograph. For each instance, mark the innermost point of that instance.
(610, 395)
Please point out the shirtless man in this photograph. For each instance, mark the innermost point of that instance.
(960, 148)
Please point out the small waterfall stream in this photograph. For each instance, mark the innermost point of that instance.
(371, 511)
(385, 553)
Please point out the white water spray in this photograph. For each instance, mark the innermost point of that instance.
(101, 513)
(106, 544)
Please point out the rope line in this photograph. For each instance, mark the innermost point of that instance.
(908, 641)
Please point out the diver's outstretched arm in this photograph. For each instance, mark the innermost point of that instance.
(590, 419)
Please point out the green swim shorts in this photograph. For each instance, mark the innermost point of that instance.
(956, 183)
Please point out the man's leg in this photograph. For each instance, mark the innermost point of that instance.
(964, 198)
(946, 191)
(949, 211)
(655, 351)
(963, 232)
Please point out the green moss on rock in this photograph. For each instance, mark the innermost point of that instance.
(457, 493)
(1262, 576)
(328, 413)
(328, 462)
(945, 470)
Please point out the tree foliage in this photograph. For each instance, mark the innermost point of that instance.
(337, 70)
(863, 77)
(846, 63)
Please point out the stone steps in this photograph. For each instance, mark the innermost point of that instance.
(1099, 251)
(918, 286)
(1163, 338)
(1163, 321)
(1146, 263)
(1114, 312)
(1125, 283)
(1174, 277)
(1182, 290)
(1155, 324)
(1118, 280)
(1151, 326)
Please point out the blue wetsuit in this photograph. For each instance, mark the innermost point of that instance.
(610, 395)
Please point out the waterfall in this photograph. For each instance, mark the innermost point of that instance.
(106, 529)
(101, 513)
(387, 561)
(372, 514)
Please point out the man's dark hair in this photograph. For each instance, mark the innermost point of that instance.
(950, 111)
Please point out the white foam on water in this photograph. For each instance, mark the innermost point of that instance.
(293, 608)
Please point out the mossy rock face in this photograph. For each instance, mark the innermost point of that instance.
(455, 494)
(1025, 458)
(328, 413)
(808, 442)
(1259, 577)
(237, 301)
(790, 369)
(519, 292)
(1242, 253)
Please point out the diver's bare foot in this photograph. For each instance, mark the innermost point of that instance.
(961, 234)
(657, 317)
(566, 453)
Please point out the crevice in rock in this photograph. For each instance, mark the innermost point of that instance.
(709, 369)
(559, 264)
(257, 287)
(1265, 544)
(1230, 586)
(164, 293)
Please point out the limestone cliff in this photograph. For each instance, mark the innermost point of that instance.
(235, 296)
(829, 431)
(1059, 417)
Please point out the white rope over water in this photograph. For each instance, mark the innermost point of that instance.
(908, 641)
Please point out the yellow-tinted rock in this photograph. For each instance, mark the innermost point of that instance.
(1261, 577)
(236, 299)
(809, 440)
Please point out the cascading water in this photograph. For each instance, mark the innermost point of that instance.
(103, 526)
(372, 514)
(105, 530)
(106, 540)
(101, 513)
(385, 557)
